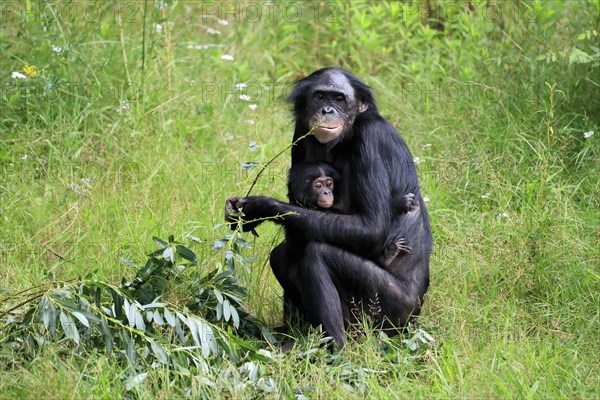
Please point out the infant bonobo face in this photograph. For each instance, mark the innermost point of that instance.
(322, 189)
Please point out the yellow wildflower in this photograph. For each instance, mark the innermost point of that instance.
(30, 71)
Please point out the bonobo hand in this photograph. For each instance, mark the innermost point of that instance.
(253, 209)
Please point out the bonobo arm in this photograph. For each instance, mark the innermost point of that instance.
(353, 231)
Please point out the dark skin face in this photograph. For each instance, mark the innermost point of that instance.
(312, 185)
(322, 192)
(333, 109)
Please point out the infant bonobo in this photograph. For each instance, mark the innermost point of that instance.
(312, 185)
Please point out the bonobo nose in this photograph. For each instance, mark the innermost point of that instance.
(327, 110)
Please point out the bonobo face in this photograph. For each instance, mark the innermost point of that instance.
(332, 106)
(322, 189)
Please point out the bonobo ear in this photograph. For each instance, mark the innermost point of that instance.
(362, 107)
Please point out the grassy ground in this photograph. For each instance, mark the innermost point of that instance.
(130, 126)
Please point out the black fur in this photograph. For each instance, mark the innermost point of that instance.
(329, 273)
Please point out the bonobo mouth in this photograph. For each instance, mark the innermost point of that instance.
(326, 134)
(325, 203)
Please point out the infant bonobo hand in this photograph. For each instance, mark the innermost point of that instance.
(411, 202)
(406, 203)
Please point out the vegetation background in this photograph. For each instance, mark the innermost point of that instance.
(123, 120)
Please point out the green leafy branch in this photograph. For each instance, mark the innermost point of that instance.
(131, 322)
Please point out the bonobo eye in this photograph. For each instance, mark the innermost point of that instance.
(329, 184)
(318, 185)
(339, 98)
(319, 97)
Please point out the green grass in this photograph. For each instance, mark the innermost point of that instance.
(494, 107)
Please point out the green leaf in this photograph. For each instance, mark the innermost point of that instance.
(169, 317)
(135, 380)
(107, 335)
(130, 347)
(226, 310)
(250, 165)
(149, 316)
(208, 336)
(219, 244)
(126, 261)
(169, 254)
(139, 319)
(222, 275)
(69, 327)
(159, 242)
(218, 295)
(235, 317)
(84, 321)
(206, 347)
(158, 320)
(128, 314)
(194, 330)
(186, 253)
(154, 304)
(159, 352)
(253, 146)
(242, 242)
(179, 331)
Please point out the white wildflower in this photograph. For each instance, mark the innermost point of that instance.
(426, 145)
(57, 49)
(425, 199)
(159, 28)
(198, 46)
(240, 85)
(485, 196)
(24, 157)
(252, 106)
(223, 22)
(77, 189)
(17, 75)
(86, 181)
(250, 121)
(417, 160)
(193, 238)
(227, 57)
(124, 106)
(244, 97)
(213, 31)
(503, 215)
(587, 135)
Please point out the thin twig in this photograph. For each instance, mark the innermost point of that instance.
(21, 304)
(266, 165)
(53, 283)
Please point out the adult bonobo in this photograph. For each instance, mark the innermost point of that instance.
(334, 276)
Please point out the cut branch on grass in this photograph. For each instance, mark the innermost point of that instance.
(130, 322)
